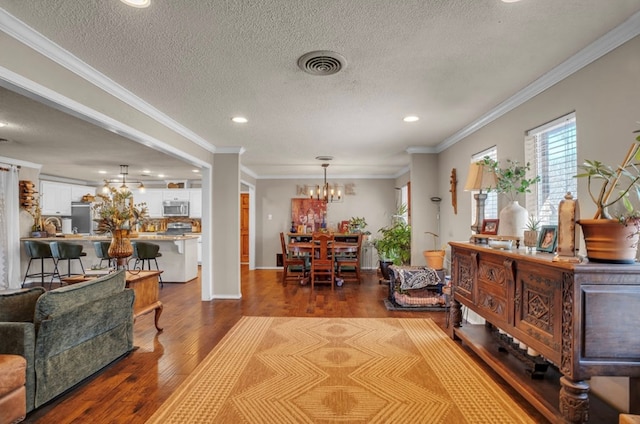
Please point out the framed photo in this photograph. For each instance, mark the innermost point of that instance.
(490, 226)
(548, 238)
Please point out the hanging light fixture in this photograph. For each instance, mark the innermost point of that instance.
(325, 193)
(124, 171)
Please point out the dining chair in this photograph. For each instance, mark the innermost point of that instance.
(348, 263)
(293, 266)
(322, 259)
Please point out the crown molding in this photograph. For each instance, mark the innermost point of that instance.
(33, 39)
(603, 45)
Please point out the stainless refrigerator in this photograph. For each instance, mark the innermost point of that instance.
(81, 218)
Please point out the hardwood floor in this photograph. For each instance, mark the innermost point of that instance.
(131, 389)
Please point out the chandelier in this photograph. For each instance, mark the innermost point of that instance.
(325, 192)
(124, 171)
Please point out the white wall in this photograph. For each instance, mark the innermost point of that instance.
(374, 200)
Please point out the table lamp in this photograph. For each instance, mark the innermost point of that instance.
(480, 177)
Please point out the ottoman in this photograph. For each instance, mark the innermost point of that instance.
(13, 394)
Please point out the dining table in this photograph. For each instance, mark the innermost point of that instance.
(307, 247)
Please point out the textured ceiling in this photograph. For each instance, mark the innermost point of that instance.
(202, 62)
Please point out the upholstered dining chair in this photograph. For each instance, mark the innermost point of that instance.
(322, 259)
(147, 252)
(37, 250)
(293, 267)
(62, 250)
(348, 263)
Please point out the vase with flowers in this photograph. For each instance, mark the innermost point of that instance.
(119, 215)
(511, 181)
(37, 229)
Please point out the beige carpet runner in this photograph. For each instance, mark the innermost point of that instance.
(346, 370)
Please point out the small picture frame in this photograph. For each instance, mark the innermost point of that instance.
(490, 226)
(548, 239)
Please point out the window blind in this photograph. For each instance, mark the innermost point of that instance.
(551, 149)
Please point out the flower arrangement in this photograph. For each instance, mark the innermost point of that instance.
(118, 212)
(36, 213)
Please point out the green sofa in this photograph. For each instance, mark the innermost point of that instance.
(67, 334)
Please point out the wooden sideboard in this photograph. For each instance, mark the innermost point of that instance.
(583, 318)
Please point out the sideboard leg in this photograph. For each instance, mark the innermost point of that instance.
(634, 395)
(455, 316)
(574, 400)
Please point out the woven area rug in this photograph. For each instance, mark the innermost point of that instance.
(347, 370)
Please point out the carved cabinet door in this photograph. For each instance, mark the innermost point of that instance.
(538, 308)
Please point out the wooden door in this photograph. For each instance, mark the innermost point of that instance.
(244, 227)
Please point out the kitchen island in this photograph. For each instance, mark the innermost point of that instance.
(178, 263)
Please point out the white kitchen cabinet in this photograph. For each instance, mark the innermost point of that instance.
(153, 199)
(175, 194)
(195, 203)
(55, 198)
(78, 191)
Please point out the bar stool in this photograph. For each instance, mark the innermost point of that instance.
(37, 250)
(63, 250)
(102, 252)
(143, 251)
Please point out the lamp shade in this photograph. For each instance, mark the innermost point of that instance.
(479, 178)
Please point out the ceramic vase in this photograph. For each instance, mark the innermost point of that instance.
(513, 220)
(120, 247)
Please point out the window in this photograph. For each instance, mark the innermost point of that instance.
(551, 150)
(491, 204)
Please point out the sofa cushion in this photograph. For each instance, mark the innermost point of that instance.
(64, 299)
(19, 305)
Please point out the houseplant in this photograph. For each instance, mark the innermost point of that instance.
(394, 243)
(531, 232)
(612, 234)
(511, 181)
(435, 257)
(357, 225)
(119, 215)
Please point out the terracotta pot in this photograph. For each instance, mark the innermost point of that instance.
(434, 258)
(607, 240)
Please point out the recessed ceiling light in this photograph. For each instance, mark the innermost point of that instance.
(160, 175)
(102, 172)
(510, 1)
(195, 170)
(239, 119)
(137, 3)
(3, 124)
(146, 171)
(410, 118)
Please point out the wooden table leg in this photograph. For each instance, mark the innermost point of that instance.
(157, 316)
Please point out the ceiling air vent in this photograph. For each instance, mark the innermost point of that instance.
(321, 62)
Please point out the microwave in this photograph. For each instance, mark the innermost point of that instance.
(175, 208)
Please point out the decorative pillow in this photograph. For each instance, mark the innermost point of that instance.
(19, 305)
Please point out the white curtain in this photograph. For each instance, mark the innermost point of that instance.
(9, 228)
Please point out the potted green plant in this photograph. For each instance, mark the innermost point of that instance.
(358, 225)
(434, 257)
(394, 243)
(511, 181)
(612, 234)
